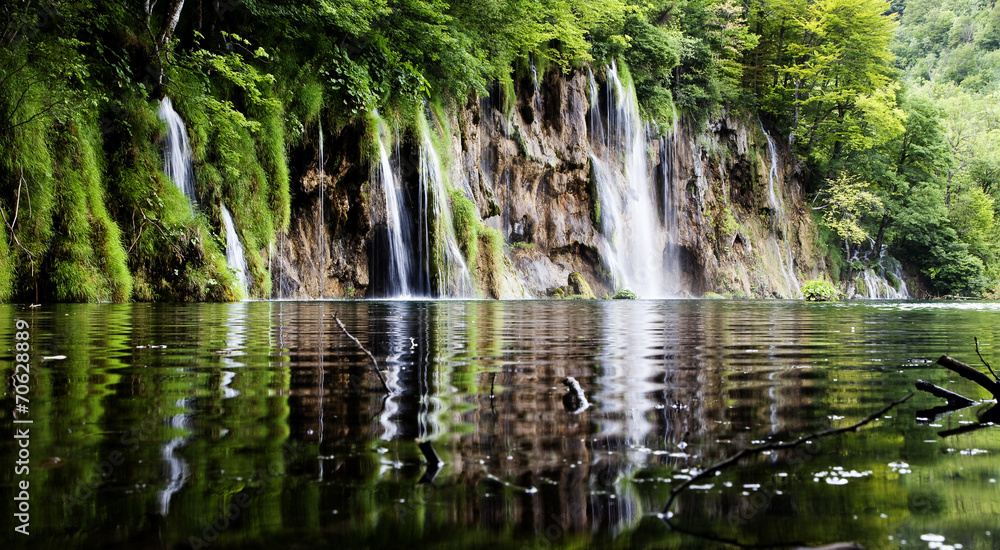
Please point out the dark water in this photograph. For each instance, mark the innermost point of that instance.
(260, 425)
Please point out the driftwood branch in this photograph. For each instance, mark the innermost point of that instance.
(970, 373)
(370, 356)
(710, 471)
(955, 401)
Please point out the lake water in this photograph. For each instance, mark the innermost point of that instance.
(261, 425)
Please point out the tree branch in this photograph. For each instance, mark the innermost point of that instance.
(370, 356)
(676, 491)
(984, 360)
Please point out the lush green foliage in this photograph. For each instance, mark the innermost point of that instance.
(819, 291)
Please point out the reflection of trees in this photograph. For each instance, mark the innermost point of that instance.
(672, 385)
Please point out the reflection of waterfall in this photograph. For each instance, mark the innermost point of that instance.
(176, 470)
(441, 254)
(397, 219)
(635, 245)
(625, 386)
(418, 387)
(234, 250)
(177, 150)
(236, 337)
(780, 220)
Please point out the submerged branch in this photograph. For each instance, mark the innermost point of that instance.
(370, 356)
(719, 466)
(970, 373)
(955, 401)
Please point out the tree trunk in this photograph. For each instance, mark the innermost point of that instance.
(877, 246)
(173, 17)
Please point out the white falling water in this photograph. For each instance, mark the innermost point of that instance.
(671, 206)
(396, 217)
(870, 284)
(787, 261)
(177, 150)
(883, 281)
(234, 250)
(634, 251)
(436, 227)
(321, 229)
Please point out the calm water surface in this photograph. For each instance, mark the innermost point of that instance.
(260, 425)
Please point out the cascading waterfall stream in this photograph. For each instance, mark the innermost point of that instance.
(671, 205)
(882, 281)
(234, 250)
(437, 231)
(636, 240)
(397, 219)
(177, 150)
(321, 231)
(787, 261)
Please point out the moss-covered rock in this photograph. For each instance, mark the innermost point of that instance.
(579, 288)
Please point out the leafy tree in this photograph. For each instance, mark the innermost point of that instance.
(847, 202)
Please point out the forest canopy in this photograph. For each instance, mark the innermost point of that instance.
(896, 100)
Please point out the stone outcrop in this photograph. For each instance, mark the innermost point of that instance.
(742, 228)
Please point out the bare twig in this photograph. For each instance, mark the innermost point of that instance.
(370, 356)
(984, 360)
(676, 491)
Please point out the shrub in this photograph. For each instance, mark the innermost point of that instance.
(819, 291)
(625, 294)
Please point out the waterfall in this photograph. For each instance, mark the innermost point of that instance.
(234, 250)
(437, 230)
(636, 240)
(671, 205)
(177, 150)
(321, 228)
(780, 220)
(882, 281)
(397, 219)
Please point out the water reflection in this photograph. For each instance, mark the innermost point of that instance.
(270, 405)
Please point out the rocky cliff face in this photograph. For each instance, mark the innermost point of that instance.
(573, 182)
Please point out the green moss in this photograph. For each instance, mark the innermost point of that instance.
(6, 269)
(463, 215)
(579, 288)
(595, 198)
(89, 263)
